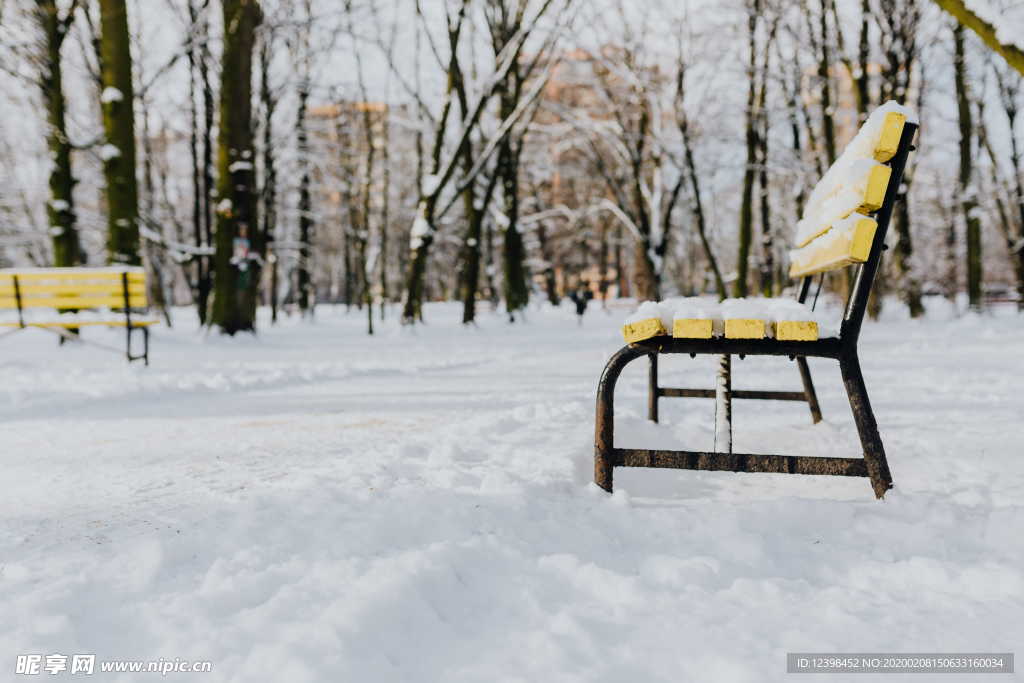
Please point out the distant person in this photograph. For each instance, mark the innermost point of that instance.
(581, 296)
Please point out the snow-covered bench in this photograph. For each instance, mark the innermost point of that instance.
(844, 224)
(64, 299)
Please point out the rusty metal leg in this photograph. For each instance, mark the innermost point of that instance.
(723, 405)
(871, 442)
(604, 424)
(652, 388)
(809, 393)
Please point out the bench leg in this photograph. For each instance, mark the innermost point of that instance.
(652, 388)
(604, 423)
(809, 393)
(723, 405)
(144, 357)
(871, 442)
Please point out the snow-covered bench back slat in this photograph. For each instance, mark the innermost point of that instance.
(836, 229)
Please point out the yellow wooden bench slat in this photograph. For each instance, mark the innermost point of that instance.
(74, 302)
(72, 275)
(796, 330)
(693, 328)
(136, 322)
(830, 252)
(112, 288)
(889, 139)
(643, 329)
(745, 328)
(874, 191)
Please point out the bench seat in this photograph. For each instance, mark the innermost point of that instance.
(73, 324)
(769, 318)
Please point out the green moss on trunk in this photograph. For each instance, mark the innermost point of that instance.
(119, 128)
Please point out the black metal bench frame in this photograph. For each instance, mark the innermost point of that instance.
(65, 335)
(843, 349)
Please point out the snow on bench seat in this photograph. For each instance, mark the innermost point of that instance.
(701, 318)
(783, 319)
(697, 318)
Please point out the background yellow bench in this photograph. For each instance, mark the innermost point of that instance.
(63, 300)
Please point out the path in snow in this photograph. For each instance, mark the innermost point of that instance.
(313, 505)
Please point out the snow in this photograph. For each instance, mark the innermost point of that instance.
(420, 229)
(109, 151)
(111, 94)
(430, 183)
(315, 505)
(696, 308)
(225, 206)
(240, 166)
(652, 309)
(60, 204)
(841, 189)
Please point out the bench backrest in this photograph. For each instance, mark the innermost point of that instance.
(72, 288)
(847, 215)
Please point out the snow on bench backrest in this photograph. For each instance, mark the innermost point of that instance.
(836, 229)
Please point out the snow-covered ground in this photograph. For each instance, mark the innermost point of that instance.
(314, 505)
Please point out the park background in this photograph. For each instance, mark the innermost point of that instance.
(290, 498)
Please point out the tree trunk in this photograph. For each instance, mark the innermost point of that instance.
(747, 197)
(268, 190)
(1009, 90)
(470, 275)
(967, 192)
(420, 241)
(118, 153)
(60, 210)
(911, 287)
(767, 269)
(898, 21)
(206, 269)
(385, 211)
(547, 254)
(828, 125)
(199, 203)
(517, 292)
(307, 298)
(237, 274)
(698, 206)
